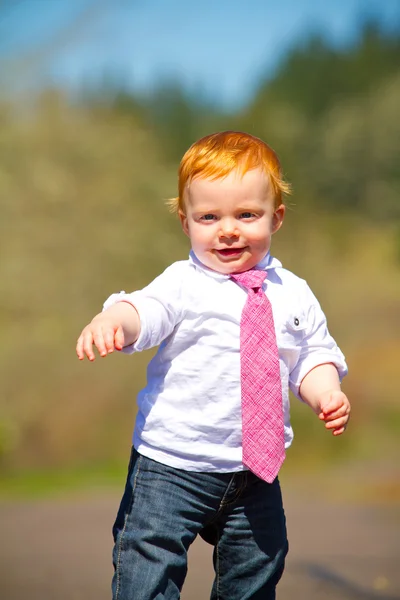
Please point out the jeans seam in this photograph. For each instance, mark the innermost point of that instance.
(236, 496)
(221, 504)
(123, 530)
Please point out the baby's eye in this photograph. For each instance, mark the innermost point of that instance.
(208, 217)
(246, 215)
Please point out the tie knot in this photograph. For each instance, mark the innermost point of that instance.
(252, 279)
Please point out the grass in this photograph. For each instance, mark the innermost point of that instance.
(56, 483)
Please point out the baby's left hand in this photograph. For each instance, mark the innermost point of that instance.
(335, 411)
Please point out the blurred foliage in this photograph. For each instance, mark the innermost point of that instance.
(83, 188)
(316, 77)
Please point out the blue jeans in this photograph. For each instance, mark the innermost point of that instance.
(162, 511)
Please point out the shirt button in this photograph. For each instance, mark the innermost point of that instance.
(296, 322)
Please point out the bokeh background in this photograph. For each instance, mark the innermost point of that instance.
(98, 101)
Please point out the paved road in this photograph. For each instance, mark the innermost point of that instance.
(53, 550)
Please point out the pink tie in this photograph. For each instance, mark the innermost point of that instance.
(263, 443)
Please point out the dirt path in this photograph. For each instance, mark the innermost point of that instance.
(54, 550)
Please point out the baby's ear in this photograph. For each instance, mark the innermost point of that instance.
(277, 218)
(184, 221)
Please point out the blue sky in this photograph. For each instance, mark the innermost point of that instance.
(219, 48)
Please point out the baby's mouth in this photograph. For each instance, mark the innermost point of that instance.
(230, 251)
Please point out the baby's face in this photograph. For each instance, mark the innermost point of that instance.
(230, 221)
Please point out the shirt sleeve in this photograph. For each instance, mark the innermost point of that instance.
(159, 306)
(317, 346)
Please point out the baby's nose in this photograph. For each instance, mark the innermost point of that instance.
(228, 228)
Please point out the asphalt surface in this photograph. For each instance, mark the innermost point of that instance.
(59, 550)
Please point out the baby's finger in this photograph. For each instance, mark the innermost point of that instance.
(337, 423)
(109, 340)
(339, 431)
(98, 340)
(87, 344)
(79, 348)
(341, 412)
(334, 404)
(119, 339)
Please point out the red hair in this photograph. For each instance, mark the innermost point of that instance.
(216, 155)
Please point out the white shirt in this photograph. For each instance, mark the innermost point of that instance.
(189, 413)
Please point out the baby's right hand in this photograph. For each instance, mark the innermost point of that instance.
(104, 332)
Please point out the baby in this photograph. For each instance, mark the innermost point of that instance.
(199, 464)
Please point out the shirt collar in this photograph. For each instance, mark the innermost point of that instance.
(267, 263)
